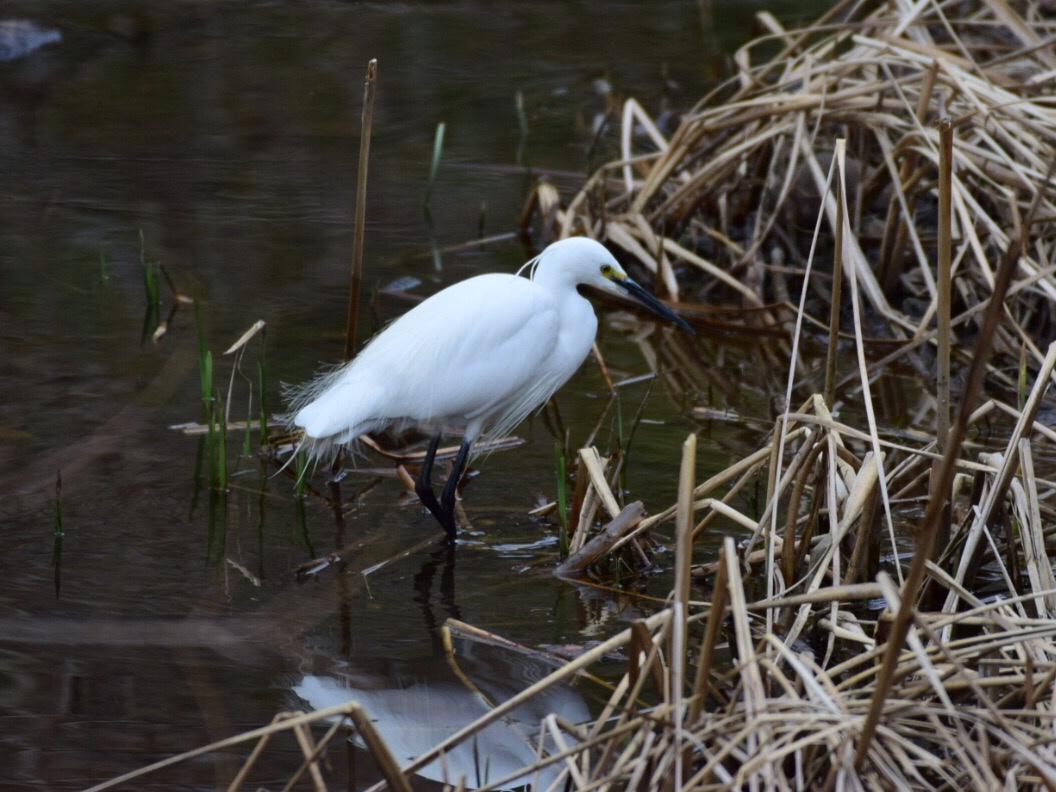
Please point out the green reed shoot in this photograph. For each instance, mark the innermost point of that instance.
(151, 271)
(562, 496)
(623, 443)
(302, 473)
(302, 527)
(216, 436)
(217, 443)
(212, 441)
(262, 377)
(151, 284)
(152, 289)
(216, 532)
(626, 437)
(206, 365)
(434, 168)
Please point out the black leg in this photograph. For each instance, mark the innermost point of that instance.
(423, 485)
(447, 501)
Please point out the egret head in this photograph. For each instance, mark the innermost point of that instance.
(584, 261)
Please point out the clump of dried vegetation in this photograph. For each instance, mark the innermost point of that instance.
(912, 145)
(921, 138)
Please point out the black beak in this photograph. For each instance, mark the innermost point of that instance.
(648, 301)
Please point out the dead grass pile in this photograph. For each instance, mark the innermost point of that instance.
(921, 138)
(735, 192)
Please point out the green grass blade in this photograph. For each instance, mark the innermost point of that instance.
(262, 376)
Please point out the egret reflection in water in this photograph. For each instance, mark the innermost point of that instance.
(416, 704)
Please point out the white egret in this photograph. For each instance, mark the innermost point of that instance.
(478, 356)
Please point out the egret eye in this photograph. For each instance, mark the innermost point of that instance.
(606, 270)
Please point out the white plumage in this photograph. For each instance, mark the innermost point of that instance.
(478, 356)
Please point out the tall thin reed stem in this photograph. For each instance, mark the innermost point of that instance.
(837, 289)
(943, 280)
(361, 209)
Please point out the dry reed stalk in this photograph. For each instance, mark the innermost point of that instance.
(359, 224)
(283, 722)
(680, 599)
(601, 545)
(310, 751)
(543, 202)
(595, 469)
(1035, 555)
(943, 279)
(251, 760)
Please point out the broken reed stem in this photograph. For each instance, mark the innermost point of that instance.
(361, 209)
(914, 578)
(602, 544)
(712, 634)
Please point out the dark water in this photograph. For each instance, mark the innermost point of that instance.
(221, 140)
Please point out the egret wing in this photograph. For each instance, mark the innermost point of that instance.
(473, 354)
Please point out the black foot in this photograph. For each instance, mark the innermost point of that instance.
(444, 508)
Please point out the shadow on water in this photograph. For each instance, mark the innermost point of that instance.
(218, 142)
